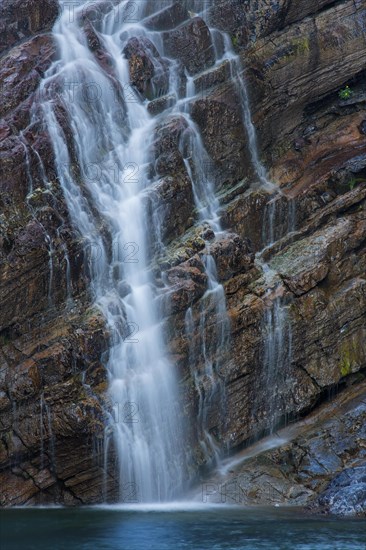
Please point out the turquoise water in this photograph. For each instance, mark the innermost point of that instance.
(178, 529)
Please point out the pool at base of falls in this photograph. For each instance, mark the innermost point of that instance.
(177, 526)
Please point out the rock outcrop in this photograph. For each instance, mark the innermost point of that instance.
(296, 57)
(322, 455)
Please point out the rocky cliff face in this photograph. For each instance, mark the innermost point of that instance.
(310, 279)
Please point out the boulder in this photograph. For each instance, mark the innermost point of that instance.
(166, 145)
(149, 72)
(191, 43)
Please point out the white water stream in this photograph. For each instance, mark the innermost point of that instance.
(111, 134)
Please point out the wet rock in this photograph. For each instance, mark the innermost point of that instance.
(245, 214)
(225, 144)
(363, 127)
(12, 159)
(299, 144)
(232, 255)
(305, 59)
(192, 44)
(167, 18)
(54, 407)
(22, 68)
(346, 493)
(171, 204)
(31, 237)
(102, 56)
(20, 19)
(230, 16)
(317, 462)
(25, 382)
(188, 283)
(149, 72)
(304, 270)
(94, 12)
(212, 78)
(303, 8)
(159, 105)
(166, 146)
(124, 289)
(51, 372)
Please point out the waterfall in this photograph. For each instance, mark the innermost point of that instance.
(102, 134)
(276, 359)
(209, 384)
(110, 136)
(279, 220)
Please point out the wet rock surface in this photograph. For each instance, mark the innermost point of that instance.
(51, 376)
(191, 43)
(52, 343)
(168, 18)
(21, 19)
(149, 73)
(325, 453)
(346, 493)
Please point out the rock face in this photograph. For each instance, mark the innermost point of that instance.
(51, 341)
(324, 454)
(22, 19)
(310, 279)
(346, 494)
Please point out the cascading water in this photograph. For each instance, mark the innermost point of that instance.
(277, 339)
(279, 220)
(210, 385)
(103, 170)
(149, 439)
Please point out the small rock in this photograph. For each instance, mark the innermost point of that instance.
(309, 130)
(124, 289)
(208, 234)
(158, 105)
(362, 127)
(326, 197)
(299, 144)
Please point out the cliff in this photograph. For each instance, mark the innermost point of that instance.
(296, 57)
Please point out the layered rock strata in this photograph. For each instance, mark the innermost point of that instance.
(53, 343)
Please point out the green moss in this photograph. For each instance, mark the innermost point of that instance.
(235, 41)
(349, 356)
(346, 366)
(301, 45)
(354, 181)
(4, 340)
